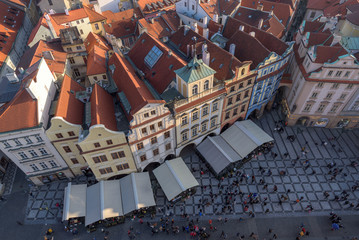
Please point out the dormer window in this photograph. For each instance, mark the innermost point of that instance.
(195, 90)
(206, 85)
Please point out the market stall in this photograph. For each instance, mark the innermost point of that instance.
(74, 202)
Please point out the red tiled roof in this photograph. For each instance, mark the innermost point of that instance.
(35, 53)
(62, 18)
(136, 91)
(227, 6)
(161, 74)
(213, 27)
(282, 11)
(94, 39)
(93, 15)
(353, 18)
(143, 5)
(96, 61)
(22, 3)
(315, 26)
(10, 23)
(121, 29)
(158, 28)
(172, 19)
(328, 53)
(127, 14)
(68, 106)
(291, 3)
(330, 8)
(253, 17)
(319, 38)
(220, 60)
(102, 108)
(353, 8)
(210, 8)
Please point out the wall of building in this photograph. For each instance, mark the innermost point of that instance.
(98, 78)
(349, 29)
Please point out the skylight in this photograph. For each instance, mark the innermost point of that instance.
(153, 56)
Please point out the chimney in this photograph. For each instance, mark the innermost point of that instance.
(206, 57)
(195, 27)
(48, 55)
(188, 49)
(21, 70)
(215, 18)
(253, 34)
(260, 23)
(271, 12)
(135, 16)
(205, 33)
(67, 12)
(192, 52)
(260, 7)
(52, 11)
(52, 29)
(181, 22)
(186, 29)
(224, 18)
(204, 47)
(205, 21)
(241, 28)
(232, 48)
(169, 53)
(152, 20)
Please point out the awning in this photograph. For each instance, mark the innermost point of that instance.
(218, 153)
(93, 204)
(174, 177)
(136, 192)
(74, 201)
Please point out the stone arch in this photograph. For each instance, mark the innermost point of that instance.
(170, 156)
(187, 150)
(225, 127)
(302, 121)
(254, 114)
(151, 166)
(119, 176)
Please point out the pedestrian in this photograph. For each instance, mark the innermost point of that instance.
(270, 230)
(275, 188)
(275, 236)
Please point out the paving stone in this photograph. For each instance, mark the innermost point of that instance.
(298, 188)
(32, 214)
(37, 204)
(287, 207)
(50, 195)
(41, 214)
(325, 187)
(311, 196)
(307, 187)
(303, 179)
(41, 195)
(325, 205)
(334, 186)
(294, 179)
(257, 208)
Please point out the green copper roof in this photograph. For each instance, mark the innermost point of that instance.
(195, 70)
(350, 43)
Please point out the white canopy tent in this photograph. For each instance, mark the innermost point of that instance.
(74, 201)
(174, 177)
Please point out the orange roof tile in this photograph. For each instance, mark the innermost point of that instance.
(330, 8)
(36, 52)
(102, 108)
(62, 18)
(319, 38)
(151, 6)
(162, 73)
(93, 15)
(127, 14)
(94, 39)
(172, 19)
(136, 91)
(158, 28)
(122, 28)
(68, 106)
(10, 22)
(210, 8)
(228, 6)
(96, 61)
(328, 53)
(22, 3)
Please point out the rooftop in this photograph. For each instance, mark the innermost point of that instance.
(331, 8)
(77, 14)
(150, 6)
(70, 36)
(194, 71)
(96, 61)
(94, 39)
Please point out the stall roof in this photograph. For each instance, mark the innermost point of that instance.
(74, 201)
(174, 177)
(112, 202)
(93, 204)
(136, 192)
(218, 153)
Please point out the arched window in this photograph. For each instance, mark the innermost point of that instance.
(195, 90)
(206, 85)
(242, 71)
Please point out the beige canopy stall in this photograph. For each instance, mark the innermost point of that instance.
(175, 178)
(74, 201)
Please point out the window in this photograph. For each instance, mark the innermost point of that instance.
(97, 145)
(125, 166)
(119, 167)
(319, 85)
(156, 152)
(152, 127)
(78, 47)
(104, 76)
(74, 161)
(59, 135)
(82, 21)
(153, 112)
(238, 98)
(38, 138)
(105, 170)
(235, 112)
(22, 155)
(350, 86)
(34, 167)
(246, 94)
(153, 140)
(334, 108)
(307, 107)
(240, 86)
(43, 165)
(81, 32)
(140, 146)
(354, 106)
(78, 22)
(329, 95)
(168, 146)
(229, 101)
(184, 136)
(167, 134)
(160, 124)
(71, 133)
(117, 155)
(144, 130)
(50, 2)
(99, 159)
(33, 153)
(53, 163)
(243, 71)
(67, 149)
(347, 74)
(95, 78)
(312, 14)
(338, 73)
(321, 108)
(109, 142)
(6, 144)
(232, 89)
(28, 140)
(194, 131)
(195, 90)
(206, 85)
(335, 85)
(243, 108)
(215, 106)
(146, 115)
(184, 120)
(249, 82)
(314, 95)
(192, 7)
(213, 123)
(76, 72)
(152, 57)
(96, 26)
(69, 49)
(227, 115)
(342, 97)
(143, 158)
(205, 111)
(43, 151)
(204, 126)
(185, 4)
(195, 115)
